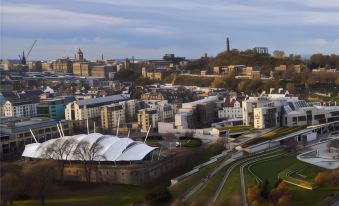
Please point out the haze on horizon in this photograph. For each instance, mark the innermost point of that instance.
(148, 29)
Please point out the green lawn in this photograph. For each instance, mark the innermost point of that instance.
(269, 170)
(291, 175)
(275, 133)
(193, 142)
(180, 188)
(234, 129)
(95, 194)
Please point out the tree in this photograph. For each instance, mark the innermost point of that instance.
(321, 178)
(39, 178)
(60, 150)
(88, 154)
(253, 194)
(278, 53)
(337, 81)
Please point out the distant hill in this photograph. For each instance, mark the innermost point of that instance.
(247, 58)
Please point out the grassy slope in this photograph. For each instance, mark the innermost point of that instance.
(276, 133)
(269, 170)
(83, 194)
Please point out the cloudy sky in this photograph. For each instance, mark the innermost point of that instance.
(148, 29)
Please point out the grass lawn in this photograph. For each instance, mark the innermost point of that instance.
(192, 142)
(205, 194)
(234, 129)
(180, 188)
(275, 133)
(269, 170)
(95, 194)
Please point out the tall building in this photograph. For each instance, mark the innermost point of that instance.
(110, 115)
(228, 45)
(148, 118)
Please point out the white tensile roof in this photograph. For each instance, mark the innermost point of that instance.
(113, 147)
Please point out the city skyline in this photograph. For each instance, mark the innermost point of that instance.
(149, 29)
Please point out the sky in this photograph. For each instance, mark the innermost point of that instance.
(151, 28)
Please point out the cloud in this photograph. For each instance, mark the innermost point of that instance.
(187, 27)
(44, 17)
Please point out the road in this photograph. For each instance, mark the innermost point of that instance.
(228, 172)
(242, 178)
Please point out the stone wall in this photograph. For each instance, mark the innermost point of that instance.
(135, 173)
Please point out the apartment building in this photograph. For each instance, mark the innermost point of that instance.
(112, 115)
(148, 118)
(20, 108)
(90, 109)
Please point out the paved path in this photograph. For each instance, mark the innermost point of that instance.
(242, 178)
(228, 172)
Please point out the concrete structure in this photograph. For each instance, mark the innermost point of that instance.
(274, 110)
(15, 132)
(200, 113)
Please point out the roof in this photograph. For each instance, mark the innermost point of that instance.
(100, 100)
(112, 149)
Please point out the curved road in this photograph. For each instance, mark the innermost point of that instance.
(229, 170)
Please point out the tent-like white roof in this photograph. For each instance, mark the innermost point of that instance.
(113, 148)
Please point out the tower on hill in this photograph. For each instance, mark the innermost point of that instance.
(228, 44)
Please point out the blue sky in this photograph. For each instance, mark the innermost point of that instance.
(148, 29)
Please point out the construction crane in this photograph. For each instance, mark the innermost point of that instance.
(23, 58)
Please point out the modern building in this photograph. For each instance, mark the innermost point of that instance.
(15, 132)
(20, 108)
(112, 115)
(200, 113)
(276, 110)
(148, 118)
(54, 108)
(89, 109)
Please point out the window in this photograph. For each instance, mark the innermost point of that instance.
(302, 118)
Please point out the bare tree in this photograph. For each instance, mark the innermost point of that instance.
(60, 150)
(39, 178)
(88, 154)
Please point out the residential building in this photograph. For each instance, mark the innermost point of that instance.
(148, 118)
(89, 109)
(112, 115)
(20, 108)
